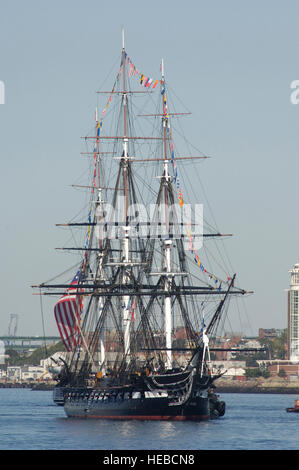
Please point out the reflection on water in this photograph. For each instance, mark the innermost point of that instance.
(28, 420)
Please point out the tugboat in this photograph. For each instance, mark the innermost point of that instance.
(295, 409)
(133, 319)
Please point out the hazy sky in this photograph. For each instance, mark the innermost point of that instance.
(232, 63)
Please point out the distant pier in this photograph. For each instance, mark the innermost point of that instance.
(23, 343)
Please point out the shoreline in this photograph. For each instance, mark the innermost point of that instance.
(31, 385)
(257, 386)
(221, 386)
(259, 390)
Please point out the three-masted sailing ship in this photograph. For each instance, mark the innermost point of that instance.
(139, 318)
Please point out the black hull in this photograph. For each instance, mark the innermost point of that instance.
(150, 406)
(137, 408)
(60, 393)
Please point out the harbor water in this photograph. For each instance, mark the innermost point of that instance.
(29, 420)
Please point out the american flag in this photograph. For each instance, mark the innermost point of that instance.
(67, 313)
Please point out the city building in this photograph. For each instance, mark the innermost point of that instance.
(286, 369)
(293, 316)
(14, 373)
(230, 369)
(269, 333)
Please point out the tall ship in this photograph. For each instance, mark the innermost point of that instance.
(139, 316)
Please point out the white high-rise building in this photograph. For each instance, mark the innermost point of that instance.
(293, 315)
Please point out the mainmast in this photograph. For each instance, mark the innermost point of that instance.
(167, 242)
(100, 273)
(125, 248)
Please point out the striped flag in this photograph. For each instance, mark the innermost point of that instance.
(67, 313)
(132, 310)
